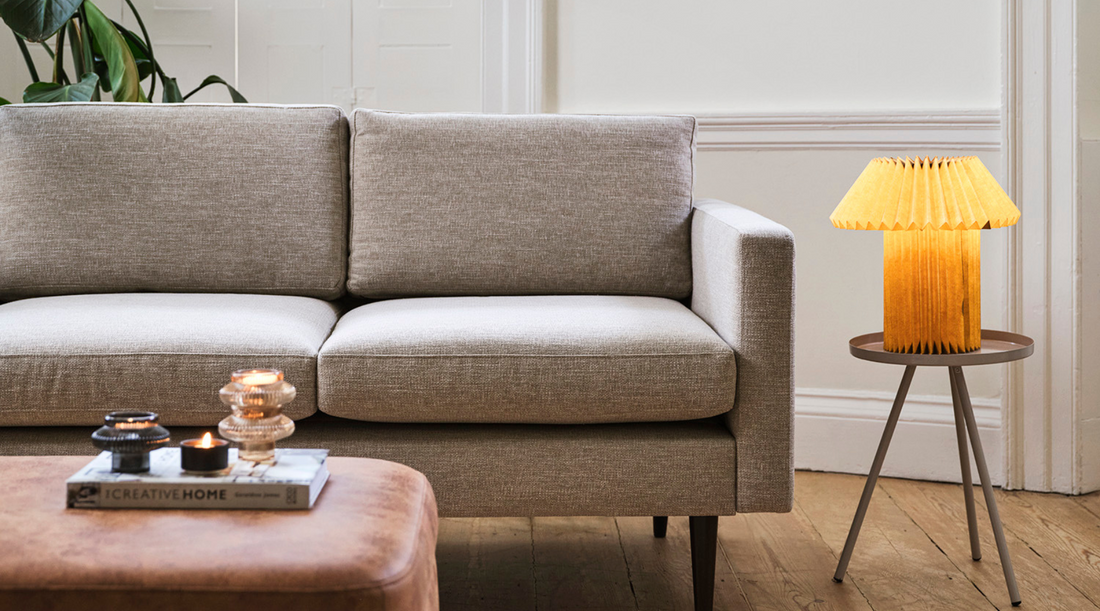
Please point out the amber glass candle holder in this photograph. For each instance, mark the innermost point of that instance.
(257, 397)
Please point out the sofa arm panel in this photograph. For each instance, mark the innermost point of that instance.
(743, 275)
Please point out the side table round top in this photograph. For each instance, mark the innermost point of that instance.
(997, 347)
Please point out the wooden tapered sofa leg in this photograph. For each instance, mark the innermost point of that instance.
(660, 526)
(704, 551)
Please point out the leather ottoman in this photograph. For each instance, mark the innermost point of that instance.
(368, 543)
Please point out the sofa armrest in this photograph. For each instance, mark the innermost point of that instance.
(743, 276)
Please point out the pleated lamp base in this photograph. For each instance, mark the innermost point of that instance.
(932, 291)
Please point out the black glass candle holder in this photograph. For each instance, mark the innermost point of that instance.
(129, 437)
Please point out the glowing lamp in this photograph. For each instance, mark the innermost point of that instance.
(931, 211)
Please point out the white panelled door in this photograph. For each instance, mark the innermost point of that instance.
(295, 51)
(417, 55)
(192, 39)
(412, 55)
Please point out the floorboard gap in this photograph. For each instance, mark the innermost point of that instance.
(733, 572)
(626, 561)
(849, 578)
(1086, 506)
(901, 506)
(1064, 577)
(534, 569)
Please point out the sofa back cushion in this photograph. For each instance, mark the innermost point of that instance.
(448, 204)
(172, 197)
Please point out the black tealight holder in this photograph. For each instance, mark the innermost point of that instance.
(206, 456)
(129, 437)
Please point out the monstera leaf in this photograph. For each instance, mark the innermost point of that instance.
(53, 92)
(37, 20)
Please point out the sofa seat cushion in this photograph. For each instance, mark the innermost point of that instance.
(68, 360)
(547, 359)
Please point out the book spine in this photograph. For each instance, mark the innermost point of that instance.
(142, 495)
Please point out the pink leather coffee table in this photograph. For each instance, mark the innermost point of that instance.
(369, 543)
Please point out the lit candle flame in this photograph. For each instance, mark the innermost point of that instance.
(207, 441)
(258, 377)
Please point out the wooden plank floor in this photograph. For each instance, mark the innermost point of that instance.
(913, 553)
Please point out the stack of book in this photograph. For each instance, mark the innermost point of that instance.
(292, 481)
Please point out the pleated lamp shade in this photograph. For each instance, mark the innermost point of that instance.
(932, 211)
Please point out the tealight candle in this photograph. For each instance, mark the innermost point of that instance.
(206, 455)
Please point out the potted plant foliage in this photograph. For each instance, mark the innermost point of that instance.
(105, 56)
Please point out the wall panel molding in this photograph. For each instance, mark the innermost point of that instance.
(511, 56)
(963, 130)
(1043, 436)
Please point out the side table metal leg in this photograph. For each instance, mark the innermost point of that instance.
(987, 487)
(872, 476)
(964, 461)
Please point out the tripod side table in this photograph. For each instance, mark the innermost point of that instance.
(997, 347)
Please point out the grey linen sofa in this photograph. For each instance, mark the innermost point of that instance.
(531, 310)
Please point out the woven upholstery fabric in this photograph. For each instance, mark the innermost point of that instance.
(68, 360)
(744, 287)
(573, 359)
(502, 470)
(446, 204)
(174, 198)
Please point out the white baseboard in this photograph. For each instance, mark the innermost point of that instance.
(839, 430)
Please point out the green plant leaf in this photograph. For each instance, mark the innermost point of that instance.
(74, 48)
(138, 50)
(214, 79)
(86, 46)
(148, 48)
(27, 57)
(121, 67)
(101, 69)
(37, 20)
(4, 102)
(172, 93)
(59, 58)
(54, 92)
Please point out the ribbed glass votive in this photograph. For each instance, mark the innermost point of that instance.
(256, 397)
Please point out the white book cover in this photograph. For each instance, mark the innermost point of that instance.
(293, 481)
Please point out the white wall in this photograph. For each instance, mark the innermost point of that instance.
(777, 56)
(787, 84)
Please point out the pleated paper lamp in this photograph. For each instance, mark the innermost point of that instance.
(932, 212)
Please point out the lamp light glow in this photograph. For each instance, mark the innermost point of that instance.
(931, 211)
